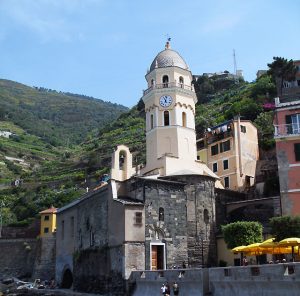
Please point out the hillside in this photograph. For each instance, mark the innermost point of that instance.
(57, 174)
(61, 119)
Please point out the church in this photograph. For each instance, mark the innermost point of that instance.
(157, 217)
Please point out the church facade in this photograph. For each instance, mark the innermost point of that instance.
(156, 218)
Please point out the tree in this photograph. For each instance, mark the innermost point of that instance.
(242, 233)
(285, 227)
(282, 70)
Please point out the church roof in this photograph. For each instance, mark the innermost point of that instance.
(168, 58)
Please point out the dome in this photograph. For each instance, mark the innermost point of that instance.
(168, 58)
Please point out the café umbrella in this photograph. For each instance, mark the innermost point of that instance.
(290, 242)
(270, 247)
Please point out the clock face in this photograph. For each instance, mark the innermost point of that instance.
(165, 101)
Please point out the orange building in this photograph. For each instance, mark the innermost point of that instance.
(230, 150)
(287, 137)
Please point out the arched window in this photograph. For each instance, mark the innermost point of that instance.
(183, 119)
(152, 82)
(181, 81)
(161, 214)
(166, 118)
(165, 80)
(206, 216)
(122, 158)
(151, 121)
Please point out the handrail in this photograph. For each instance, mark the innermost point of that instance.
(287, 129)
(168, 85)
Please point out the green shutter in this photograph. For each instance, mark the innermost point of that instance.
(297, 151)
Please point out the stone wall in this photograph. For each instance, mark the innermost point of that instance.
(30, 231)
(92, 273)
(172, 228)
(44, 267)
(17, 257)
(255, 280)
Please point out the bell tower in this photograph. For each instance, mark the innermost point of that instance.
(170, 114)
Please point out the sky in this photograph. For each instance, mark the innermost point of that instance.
(103, 48)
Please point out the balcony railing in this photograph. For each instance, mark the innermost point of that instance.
(284, 130)
(218, 137)
(169, 85)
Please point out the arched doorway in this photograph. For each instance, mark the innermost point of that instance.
(67, 280)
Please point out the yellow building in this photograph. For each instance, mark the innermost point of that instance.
(230, 150)
(48, 221)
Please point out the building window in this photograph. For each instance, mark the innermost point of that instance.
(225, 146)
(72, 226)
(46, 230)
(138, 219)
(215, 167)
(80, 239)
(183, 119)
(214, 150)
(181, 81)
(206, 216)
(46, 218)
(165, 80)
(226, 182)
(166, 118)
(92, 238)
(295, 123)
(151, 121)
(225, 164)
(62, 229)
(161, 214)
(297, 151)
(152, 82)
(243, 129)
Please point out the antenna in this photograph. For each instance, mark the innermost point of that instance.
(235, 68)
(234, 63)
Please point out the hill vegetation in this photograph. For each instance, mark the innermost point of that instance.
(60, 119)
(55, 170)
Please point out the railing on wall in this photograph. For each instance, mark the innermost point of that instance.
(169, 85)
(284, 130)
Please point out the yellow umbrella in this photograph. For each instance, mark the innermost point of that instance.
(253, 248)
(272, 247)
(291, 242)
(238, 249)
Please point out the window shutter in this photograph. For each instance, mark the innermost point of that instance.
(297, 151)
(288, 119)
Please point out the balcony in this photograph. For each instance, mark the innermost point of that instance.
(287, 130)
(169, 85)
(217, 137)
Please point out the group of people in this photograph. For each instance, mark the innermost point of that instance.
(165, 289)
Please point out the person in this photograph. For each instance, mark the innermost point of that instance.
(175, 288)
(163, 289)
(245, 261)
(183, 265)
(168, 290)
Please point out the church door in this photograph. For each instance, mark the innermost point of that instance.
(157, 256)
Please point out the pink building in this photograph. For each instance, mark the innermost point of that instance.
(287, 137)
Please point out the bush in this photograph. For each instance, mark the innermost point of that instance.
(242, 233)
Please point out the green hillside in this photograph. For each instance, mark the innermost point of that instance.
(61, 119)
(54, 174)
